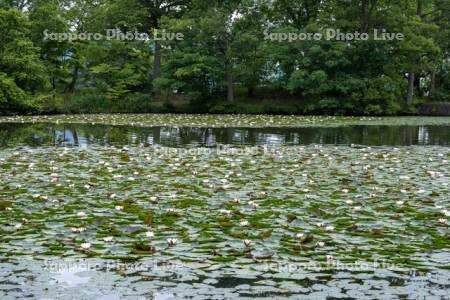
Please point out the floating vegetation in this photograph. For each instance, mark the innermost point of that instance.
(243, 214)
(173, 120)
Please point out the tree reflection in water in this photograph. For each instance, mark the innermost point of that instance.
(12, 135)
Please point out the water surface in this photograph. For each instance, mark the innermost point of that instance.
(84, 135)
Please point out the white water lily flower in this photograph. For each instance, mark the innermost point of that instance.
(108, 239)
(345, 191)
(112, 196)
(442, 221)
(81, 214)
(119, 207)
(236, 200)
(150, 234)
(403, 177)
(445, 212)
(329, 257)
(253, 204)
(18, 226)
(329, 228)
(172, 242)
(77, 229)
(225, 212)
(319, 224)
(349, 202)
(153, 198)
(8, 209)
(300, 235)
(320, 244)
(357, 208)
(248, 243)
(85, 246)
(244, 223)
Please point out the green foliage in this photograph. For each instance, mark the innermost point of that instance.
(22, 72)
(12, 98)
(224, 54)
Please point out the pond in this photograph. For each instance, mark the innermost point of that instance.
(16, 134)
(126, 212)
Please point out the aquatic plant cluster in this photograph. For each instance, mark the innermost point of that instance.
(205, 120)
(232, 215)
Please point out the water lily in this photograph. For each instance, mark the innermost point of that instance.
(253, 204)
(172, 242)
(225, 212)
(78, 229)
(300, 235)
(85, 246)
(349, 202)
(446, 212)
(320, 244)
(248, 243)
(442, 221)
(119, 207)
(18, 226)
(150, 234)
(81, 214)
(108, 239)
(244, 223)
(400, 203)
(329, 228)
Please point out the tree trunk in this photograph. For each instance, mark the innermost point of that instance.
(73, 82)
(418, 87)
(419, 8)
(411, 80)
(432, 84)
(230, 87)
(157, 61)
(364, 16)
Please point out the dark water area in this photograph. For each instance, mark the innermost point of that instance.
(35, 135)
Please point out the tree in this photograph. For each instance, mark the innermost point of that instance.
(156, 10)
(21, 71)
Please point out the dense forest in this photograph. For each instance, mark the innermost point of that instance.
(223, 56)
